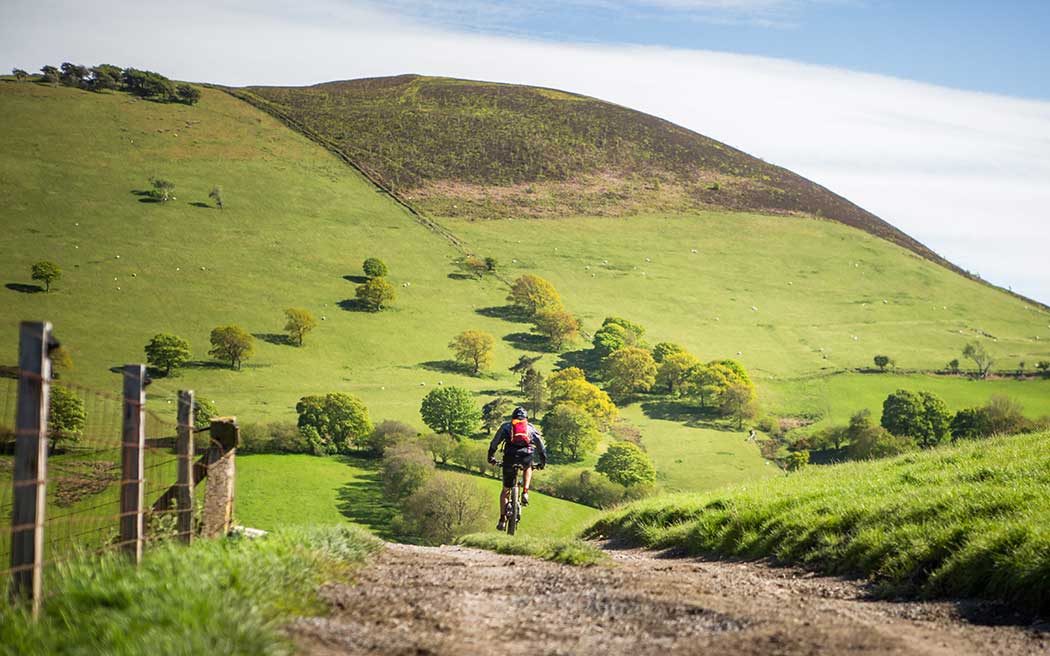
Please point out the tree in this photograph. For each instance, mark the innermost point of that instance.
(1004, 415)
(473, 349)
(216, 195)
(558, 325)
(708, 382)
(569, 430)
(1044, 367)
(675, 371)
(73, 75)
(491, 264)
(163, 190)
(375, 294)
(630, 370)
(797, 460)
(523, 364)
(451, 410)
(969, 424)
(530, 294)
(104, 76)
(867, 440)
(615, 334)
(167, 352)
(65, 417)
(203, 411)
(300, 323)
(406, 467)
(340, 419)
(50, 75)
(231, 343)
(535, 389)
(569, 386)
(881, 361)
(495, 412)
(981, 359)
(922, 416)
(953, 365)
(374, 267)
(386, 434)
(625, 463)
(664, 349)
(445, 507)
(738, 402)
(46, 272)
(19, 74)
(148, 84)
(187, 94)
(441, 446)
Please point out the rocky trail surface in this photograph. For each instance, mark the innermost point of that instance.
(453, 600)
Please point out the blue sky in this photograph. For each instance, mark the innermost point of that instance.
(995, 47)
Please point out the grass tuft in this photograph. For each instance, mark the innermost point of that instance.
(965, 521)
(215, 597)
(564, 551)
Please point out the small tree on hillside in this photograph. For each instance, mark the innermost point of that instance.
(569, 430)
(921, 416)
(738, 402)
(374, 268)
(162, 190)
(630, 370)
(1044, 367)
(530, 294)
(535, 389)
(103, 77)
(491, 264)
(981, 359)
(445, 507)
(375, 294)
(65, 418)
(558, 325)
(473, 349)
(46, 272)
(50, 75)
(664, 349)
(19, 74)
(869, 440)
(216, 195)
(882, 361)
(299, 324)
(231, 343)
(340, 419)
(167, 352)
(953, 365)
(675, 372)
(73, 75)
(187, 94)
(625, 463)
(450, 410)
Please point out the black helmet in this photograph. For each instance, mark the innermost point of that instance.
(519, 413)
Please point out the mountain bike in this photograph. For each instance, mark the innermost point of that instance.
(513, 513)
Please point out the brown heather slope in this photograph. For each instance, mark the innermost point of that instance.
(485, 150)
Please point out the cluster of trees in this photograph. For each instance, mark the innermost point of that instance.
(920, 420)
(539, 301)
(976, 353)
(334, 423)
(166, 352)
(103, 77)
(375, 293)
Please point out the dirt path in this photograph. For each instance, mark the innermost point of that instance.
(450, 600)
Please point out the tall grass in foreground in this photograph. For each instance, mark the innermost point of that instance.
(971, 520)
(216, 597)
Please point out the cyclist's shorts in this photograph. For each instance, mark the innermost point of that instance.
(508, 467)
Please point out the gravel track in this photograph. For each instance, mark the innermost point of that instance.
(453, 600)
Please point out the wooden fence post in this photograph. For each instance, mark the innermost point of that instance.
(218, 496)
(30, 467)
(184, 449)
(132, 458)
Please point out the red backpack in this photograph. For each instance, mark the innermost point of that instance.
(519, 433)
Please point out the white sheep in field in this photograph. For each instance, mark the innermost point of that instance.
(648, 259)
(694, 251)
(754, 309)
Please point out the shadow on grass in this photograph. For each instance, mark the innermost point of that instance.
(462, 276)
(686, 412)
(446, 367)
(505, 312)
(145, 196)
(201, 205)
(274, 338)
(353, 305)
(357, 280)
(23, 288)
(527, 342)
(585, 359)
(363, 502)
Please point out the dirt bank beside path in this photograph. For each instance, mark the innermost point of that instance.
(451, 600)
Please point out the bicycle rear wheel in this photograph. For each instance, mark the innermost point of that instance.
(513, 511)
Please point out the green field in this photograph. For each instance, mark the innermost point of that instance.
(274, 491)
(966, 521)
(785, 295)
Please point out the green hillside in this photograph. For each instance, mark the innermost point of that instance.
(298, 223)
(484, 150)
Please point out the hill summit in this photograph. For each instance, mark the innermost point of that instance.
(462, 148)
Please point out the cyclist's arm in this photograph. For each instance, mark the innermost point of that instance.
(537, 440)
(501, 434)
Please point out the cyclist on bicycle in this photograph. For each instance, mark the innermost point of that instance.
(520, 440)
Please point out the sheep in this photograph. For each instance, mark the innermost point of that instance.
(134, 275)
(694, 251)
(118, 257)
(739, 352)
(648, 259)
(203, 269)
(754, 309)
(422, 384)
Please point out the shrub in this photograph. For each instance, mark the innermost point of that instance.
(442, 446)
(626, 464)
(216, 195)
(66, 417)
(444, 507)
(385, 434)
(797, 460)
(867, 440)
(187, 94)
(274, 437)
(406, 467)
(472, 456)
(374, 268)
(162, 190)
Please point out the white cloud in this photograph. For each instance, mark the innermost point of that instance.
(966, 173)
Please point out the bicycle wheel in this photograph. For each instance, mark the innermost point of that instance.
(513, 511)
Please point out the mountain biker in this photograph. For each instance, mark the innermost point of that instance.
(520, 440)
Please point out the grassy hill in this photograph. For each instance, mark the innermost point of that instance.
(965, 521)
(298, 223)
(474, 149)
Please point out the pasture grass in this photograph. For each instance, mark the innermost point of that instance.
(214, 597)
(964, 521)
(564, 550)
